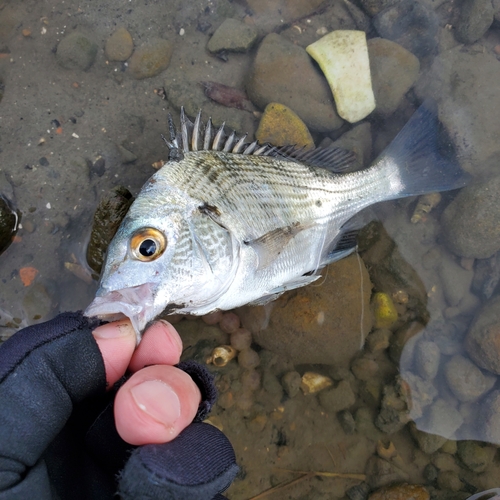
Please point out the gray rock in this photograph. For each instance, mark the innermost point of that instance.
(442, 419)
(394, 70)
(449, 481)
(459, 80)
(358, 492)
(338, 398)
(394, 412)
(455, 279)
(466, 380)
(427, 358)
(491, 418)
(476, 16)
(470, 221)
(476, 456)
(361, 20)
(234, 36)
(291, 383)
(119, 46)
(76, 51)
(411, 24)
(151, 58)
(316, 324)
(482, 338)
(359, 141)
(428, 443)
(364, 368)
(347, 422)
(380, 472)
(496, 12)
(126, 156)
(283, 72)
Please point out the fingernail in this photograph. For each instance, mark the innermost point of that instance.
(158, 400)
(174, 334)
(114, 330)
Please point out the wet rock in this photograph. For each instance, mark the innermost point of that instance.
(486, 276)
(283, 72)
(442, 419)
(448, 335)
(291, 382)
(455, 279)
(410, 24)
(232, 35)
(37, 303)
(380, 473)
(483, 339)
(384, 310)
(428, 443)
(378, 340)
(9, 221)
(76, 51)
(449, 481)
(476, 456)
(491, 418)
(316, 324)
(394, 412)
(423, 392)
(476, 16)
(466, 380)
(373, 7)
(361, 20)
(430, 473)
(241, 339)
(470, 221)
(119, 46)
(280, 126)
(394, 70)
(347, 422)
(338, 398)
(364, 424)
(248, 358)
(403, 342)
(364, 368)
(359, 141)
(126, 156)
(151, 59)
(457, 79)
(107, 218)
(401, 492)
(427, 358)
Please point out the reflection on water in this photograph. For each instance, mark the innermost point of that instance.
(420, 403)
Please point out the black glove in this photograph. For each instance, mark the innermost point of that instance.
(57, 433)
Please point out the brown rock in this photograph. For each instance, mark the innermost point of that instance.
(151, 59)
(318, 323)
(401, 492)
(119, 45)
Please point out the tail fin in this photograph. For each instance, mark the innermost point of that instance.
(414, 151)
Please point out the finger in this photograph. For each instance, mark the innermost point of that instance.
(160, 345)
(155, 405)
(116, 342)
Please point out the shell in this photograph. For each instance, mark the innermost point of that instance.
(343, 57)
(314, 382)
(221, 355)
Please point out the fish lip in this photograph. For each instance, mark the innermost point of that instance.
(134, 303)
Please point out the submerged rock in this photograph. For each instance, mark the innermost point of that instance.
(76, 51)
(320, 323)
(119, 46)
(151, 59)
(401, 492)
(476, 16)
(107, 218)
(232, 35)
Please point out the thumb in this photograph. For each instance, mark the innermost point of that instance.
(117, 342)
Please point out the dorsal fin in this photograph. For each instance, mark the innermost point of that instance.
(198, 136)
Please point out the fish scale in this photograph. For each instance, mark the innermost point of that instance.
(231, 223)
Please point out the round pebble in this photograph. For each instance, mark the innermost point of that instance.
(248, 358)
(119, 46)
(244, 401)
(212, 318)
(250, 380)
(76, 51)
(151, 59)
(241, 339)
(291, 382)
(229, 323)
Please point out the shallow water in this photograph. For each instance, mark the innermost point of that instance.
(55, 123)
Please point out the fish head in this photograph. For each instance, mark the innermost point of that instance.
(163, 257)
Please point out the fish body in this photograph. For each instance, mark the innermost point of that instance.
(224, 223)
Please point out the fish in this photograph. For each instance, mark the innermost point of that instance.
(227, 222)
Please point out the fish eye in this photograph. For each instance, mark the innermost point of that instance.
(148, 244)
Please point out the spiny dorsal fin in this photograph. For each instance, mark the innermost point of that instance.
(335, 160)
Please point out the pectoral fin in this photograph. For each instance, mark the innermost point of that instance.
(269, 246)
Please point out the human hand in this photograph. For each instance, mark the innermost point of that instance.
(58, 437)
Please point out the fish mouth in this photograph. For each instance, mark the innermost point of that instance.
(135, 303)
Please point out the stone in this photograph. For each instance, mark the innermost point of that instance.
(449, 481)
(476, 456)
(234, 36)
(491, 418)
(410, 24)
(380, 472)
(347, 422)
(466, 380)
(384, 310)
(456, 280)
(359, 141)
(291, 382)
(151, 59)
(394, 412)
(476, 17)
(364, 368)
(442, 419)
(401, 492)
(280, 126)
(427, 359)
(470, 221)
(37, 303)
(337, 399)
(428, 443)
(394, 71)
(76, 51)
(283, 72)
(316, 324)
(119, 46)
(379, 340)
(460, 81)
(373, 7)
(483, 338)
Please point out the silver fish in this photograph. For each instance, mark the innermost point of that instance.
(226, 223)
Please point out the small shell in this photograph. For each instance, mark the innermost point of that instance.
(314, 382)
(222, 355)
(386, 451)
(424, 205)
